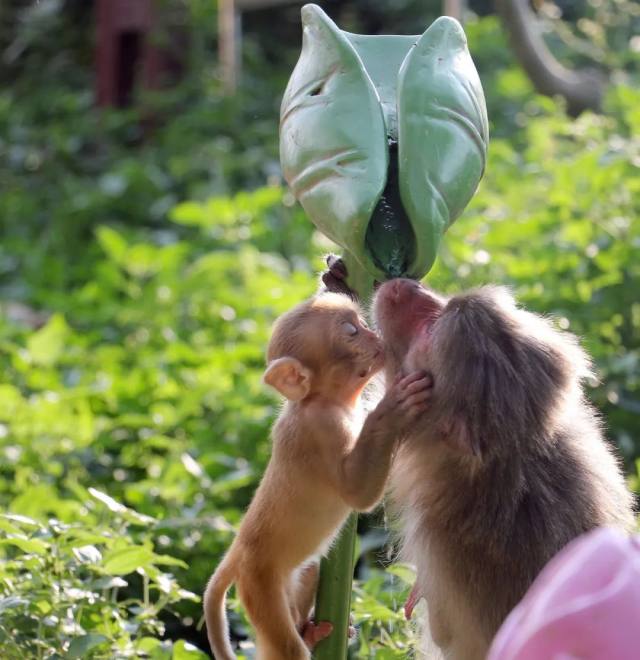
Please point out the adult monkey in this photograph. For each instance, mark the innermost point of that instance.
(507, 466)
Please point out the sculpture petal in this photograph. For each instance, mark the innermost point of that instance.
(443, 135)
(332, 136)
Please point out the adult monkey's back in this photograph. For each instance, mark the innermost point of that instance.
(507, 466)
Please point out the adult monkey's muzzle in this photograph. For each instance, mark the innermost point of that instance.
(383, 140)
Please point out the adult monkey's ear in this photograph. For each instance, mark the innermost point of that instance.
(290, 377)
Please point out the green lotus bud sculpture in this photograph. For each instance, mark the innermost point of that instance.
(383, 140)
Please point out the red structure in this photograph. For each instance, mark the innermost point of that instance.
(126, 55)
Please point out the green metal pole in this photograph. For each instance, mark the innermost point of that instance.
(333, 601)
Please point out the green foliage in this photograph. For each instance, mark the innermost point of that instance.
(378, 612)
(60, 586)
(138, 281)
(600, 33)
(147, 382)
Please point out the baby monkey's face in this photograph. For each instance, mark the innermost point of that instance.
(323, 347)
(355, 345)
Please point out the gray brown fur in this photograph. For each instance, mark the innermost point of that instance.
(508, 464)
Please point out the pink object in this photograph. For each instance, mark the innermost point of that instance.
(412, 601)
(585, 605)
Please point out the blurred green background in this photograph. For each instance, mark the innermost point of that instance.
(146, 249)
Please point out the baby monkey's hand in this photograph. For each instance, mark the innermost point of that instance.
(364, 471)
(407, 398)
(335, 277)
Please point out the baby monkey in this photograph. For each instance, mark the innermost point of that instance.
(327, 459)
(507, 464)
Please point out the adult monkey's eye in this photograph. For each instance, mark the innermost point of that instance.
(349, 328)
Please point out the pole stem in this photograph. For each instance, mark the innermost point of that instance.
(333, 600)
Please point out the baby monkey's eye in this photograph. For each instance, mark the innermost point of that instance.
(349, 328)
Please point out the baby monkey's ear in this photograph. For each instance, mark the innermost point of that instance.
(290, 377)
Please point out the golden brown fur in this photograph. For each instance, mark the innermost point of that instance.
(324, 463)
(506, 466)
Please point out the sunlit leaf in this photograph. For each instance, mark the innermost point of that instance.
(109, 502)
(185, 651)
(126, 560)
(35, 546)
(46, 345)
(87, 554)
(112, 242)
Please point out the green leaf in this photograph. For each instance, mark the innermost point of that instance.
(113, 243)
(232, 481)
(155, 649)
(46, 345)
(184, 651)
(9, 602)
(23, 520)
(31, 546)
(87, 554)
(7, 527)
(167, 560)
(367, 607)
(108, 583)
(108, 501)
(80, 646)
(10, 401)
(127, 560)
(405, 572)
(115, 506)
(189, 213)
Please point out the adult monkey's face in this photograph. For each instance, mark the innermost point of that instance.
(405, 313)
(499, 371)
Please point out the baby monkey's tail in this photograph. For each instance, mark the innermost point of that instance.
(214, 609)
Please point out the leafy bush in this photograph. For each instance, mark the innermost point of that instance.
(146, 384)
(59, 587)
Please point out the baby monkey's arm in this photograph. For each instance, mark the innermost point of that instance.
(363, 472)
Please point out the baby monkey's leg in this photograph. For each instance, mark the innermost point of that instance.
(264, 595)
(303, 593)
(304, 590)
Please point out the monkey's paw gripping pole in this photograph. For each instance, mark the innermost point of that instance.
(383, 140)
